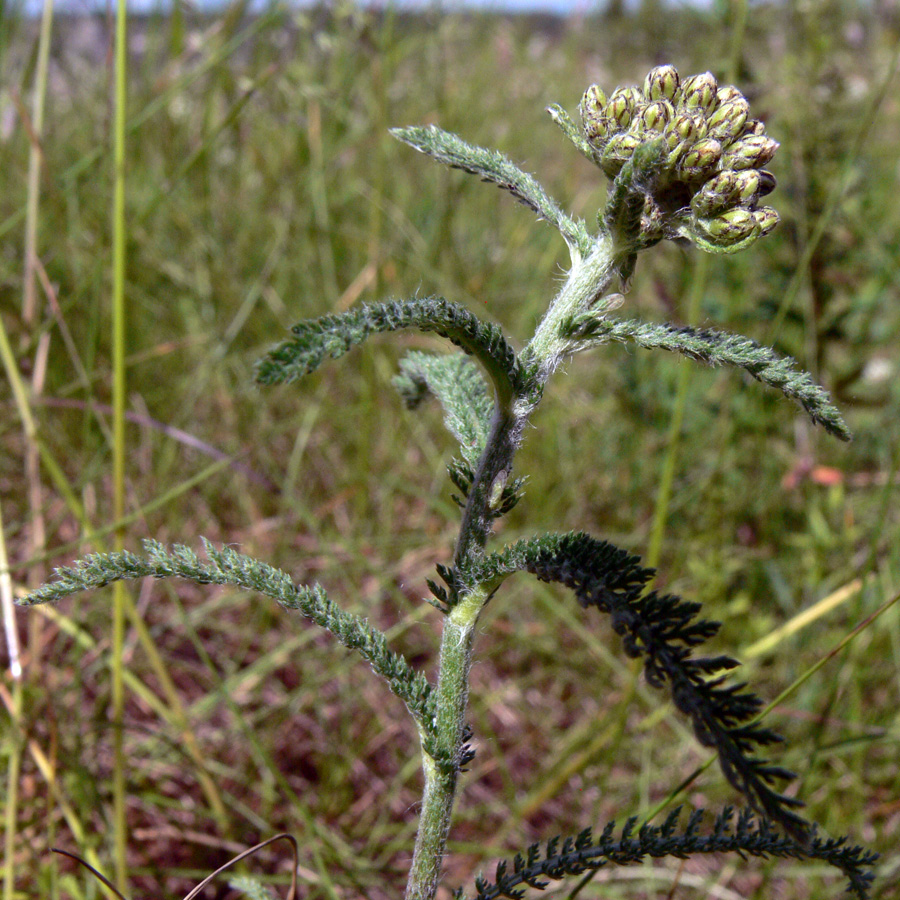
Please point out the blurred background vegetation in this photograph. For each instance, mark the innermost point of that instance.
(263, 187)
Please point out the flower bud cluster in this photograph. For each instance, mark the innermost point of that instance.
(711, 176)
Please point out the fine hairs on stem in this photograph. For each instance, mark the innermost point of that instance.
(686, 162)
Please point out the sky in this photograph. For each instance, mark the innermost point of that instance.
(560, 7)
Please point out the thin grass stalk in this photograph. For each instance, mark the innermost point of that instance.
(35, 158)
(119, 392)
(14, 762)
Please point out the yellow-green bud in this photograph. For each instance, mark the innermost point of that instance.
(655, 116)
(750, 152)
(593, 102)
(766, 218)
(618, 151)
(716, 195)
(728, 120)
(730, 227)
(597, 131)
(702, 157)
(662, 83)
(699, 92)
(754, 126)
(727, 93)
(622, 106)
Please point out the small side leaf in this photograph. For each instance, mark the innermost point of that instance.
(227, 567)
(459, 387)
(493, 166)
(330, 337)
(716, 348)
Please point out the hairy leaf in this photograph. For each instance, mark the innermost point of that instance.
(717, 348)
(663, 630)
(330, 337)
(490, 165)
(459, 387)
(226, 566)
(741, 833)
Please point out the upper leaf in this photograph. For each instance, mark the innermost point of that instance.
(330, 337)
(718, 348)
(493, 166)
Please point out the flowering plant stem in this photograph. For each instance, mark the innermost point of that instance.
(587, 282)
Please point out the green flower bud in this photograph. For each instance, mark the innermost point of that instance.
(699, 92)
(597, 131)
(766, 218)
(622, 105)
(753, 126)
(728, 120)
(617, 152)
(701, 158)
(750, 152)
(662, 83)
(655, 116)
(729, 227)
(593, 102)
(728, 93)
(716, 195)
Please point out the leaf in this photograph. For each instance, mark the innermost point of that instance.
(330, 337)
(226, 566)
(662, 630)
(743, 833)
(493, 166)
(716, 348)
(459, 387)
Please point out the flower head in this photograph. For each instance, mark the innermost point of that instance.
(711, 176)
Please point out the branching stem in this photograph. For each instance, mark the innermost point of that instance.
(587, 283)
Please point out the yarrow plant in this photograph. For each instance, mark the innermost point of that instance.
(686, 162)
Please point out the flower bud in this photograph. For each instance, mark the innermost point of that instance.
(597, 131)
(593, 102)
(662, 83)
(618, 151)
(766, 218)
(750, 152)
(699, 92)
(701, 158)
(727, 93)
(655, 116)
(716, 195)
(729, 227)
(753, 126)
(622, 106)
(728, 120)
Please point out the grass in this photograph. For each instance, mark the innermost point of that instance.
(261, 187)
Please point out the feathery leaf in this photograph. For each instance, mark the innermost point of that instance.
(316, 340)
(741, 833)
(459, 387)
(663, 630)
(490, 165)
(717, 348)
(227, 567)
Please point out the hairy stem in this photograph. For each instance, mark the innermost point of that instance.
(440, 781)
(587, 283)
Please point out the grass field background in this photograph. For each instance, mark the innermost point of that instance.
(262, 187)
